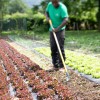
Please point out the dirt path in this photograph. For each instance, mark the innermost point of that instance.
(33, 56)
(81, 87)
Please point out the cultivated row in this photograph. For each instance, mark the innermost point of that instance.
(25, 74)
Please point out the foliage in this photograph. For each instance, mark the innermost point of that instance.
(3, 9)
(35, 8)
(82, 9)
(16, 15)
(17, 19)
(16, 6)
(38, 19)
(44, 5)
(3, 6)
(80, 12)
(98, 15)
(39, 16)
(9, 10)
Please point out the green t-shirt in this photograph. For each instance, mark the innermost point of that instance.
(57, 14)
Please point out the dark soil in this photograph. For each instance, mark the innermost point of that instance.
(82, 88)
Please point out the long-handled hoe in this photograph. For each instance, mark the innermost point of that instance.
(55, 37)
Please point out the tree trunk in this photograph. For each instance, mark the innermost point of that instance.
(98, 16)
(1, 21)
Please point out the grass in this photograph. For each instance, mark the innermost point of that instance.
(85, 41)
(13, 32)
(5, 33)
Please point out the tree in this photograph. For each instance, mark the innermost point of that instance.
(11, 7)
(44, 5)
(16, 6)
(98, 15)
(82, 10)
(2, 12)
(35, 8)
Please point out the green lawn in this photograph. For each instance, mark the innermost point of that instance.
(83, 40)
(87, 42)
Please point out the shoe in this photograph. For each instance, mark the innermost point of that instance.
(61, 69)
(56, 69)
(52, 69)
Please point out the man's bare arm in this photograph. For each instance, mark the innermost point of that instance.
(47, 16)
(63, 23)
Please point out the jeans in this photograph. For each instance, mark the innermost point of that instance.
(56, 59)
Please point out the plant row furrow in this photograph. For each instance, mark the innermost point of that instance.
(4, 89)
(20, 68)
(19, 86)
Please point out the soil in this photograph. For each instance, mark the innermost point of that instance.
(80, 87)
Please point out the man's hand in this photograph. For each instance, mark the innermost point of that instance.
(47, 18)
(55, 29)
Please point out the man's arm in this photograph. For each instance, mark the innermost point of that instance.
(62, 25)
(47, 16)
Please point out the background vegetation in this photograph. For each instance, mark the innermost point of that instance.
(16, 15)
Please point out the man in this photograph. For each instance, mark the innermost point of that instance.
(57, 13)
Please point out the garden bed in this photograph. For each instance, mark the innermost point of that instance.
(27, 79)
(87, 66)
(81, 87)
